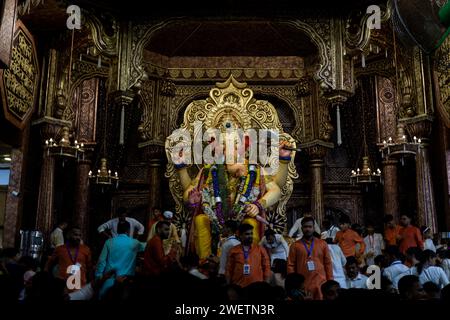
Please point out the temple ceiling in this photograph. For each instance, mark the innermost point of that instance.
(230, 38)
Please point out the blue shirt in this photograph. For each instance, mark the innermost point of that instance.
(119, 253)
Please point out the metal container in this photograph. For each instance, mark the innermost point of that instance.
(445, 235)
(31, 243)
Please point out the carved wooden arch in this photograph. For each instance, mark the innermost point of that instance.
(249, 113)
(324, 74)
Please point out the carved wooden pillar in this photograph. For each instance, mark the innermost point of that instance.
(13, 199)
(45, 218)
(82, 197)
(155, 176)
(317, 151)
(85, 102)
(421, 127)
(390, 190)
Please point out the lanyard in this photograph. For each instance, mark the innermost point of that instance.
(246, 254)
(310, 249)
(371, 241)
(330, 231)
(74, 260)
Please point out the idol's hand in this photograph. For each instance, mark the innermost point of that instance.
(194, 196)
(284, 152)
(251, 210)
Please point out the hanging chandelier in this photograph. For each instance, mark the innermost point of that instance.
(64, 148)
(400, 148)
(366, 175)
(104, 176)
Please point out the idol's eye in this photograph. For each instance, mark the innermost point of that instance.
(228, 125)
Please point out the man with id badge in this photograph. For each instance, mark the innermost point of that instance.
(309, 256)
(247, 262)
(72, 258)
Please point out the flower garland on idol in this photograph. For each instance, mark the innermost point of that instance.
(247, 192)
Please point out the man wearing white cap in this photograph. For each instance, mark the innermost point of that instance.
(173, 238)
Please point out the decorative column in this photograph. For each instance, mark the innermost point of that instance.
(317, 151)
(45, 218)
(154, 155)
(390, 188)
(82, 197)
(13, 199)
(421, 127)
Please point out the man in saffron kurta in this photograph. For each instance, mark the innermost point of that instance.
(155, 261)
(310, 257)
(247, 262)
(410, 236)
(348, 238)
(72, 257)
(157, 216)
(391, 231)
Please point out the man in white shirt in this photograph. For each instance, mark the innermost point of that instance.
(229, 232)
(374, 245)
(338, 260)
(428, 243)
(276, 246)
(57, 236)
(111, 225)
(330, 229)
(396, 267)
(354, 279)
(429, 272)
(297, 227)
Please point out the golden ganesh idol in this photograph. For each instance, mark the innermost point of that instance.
(207, 195)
